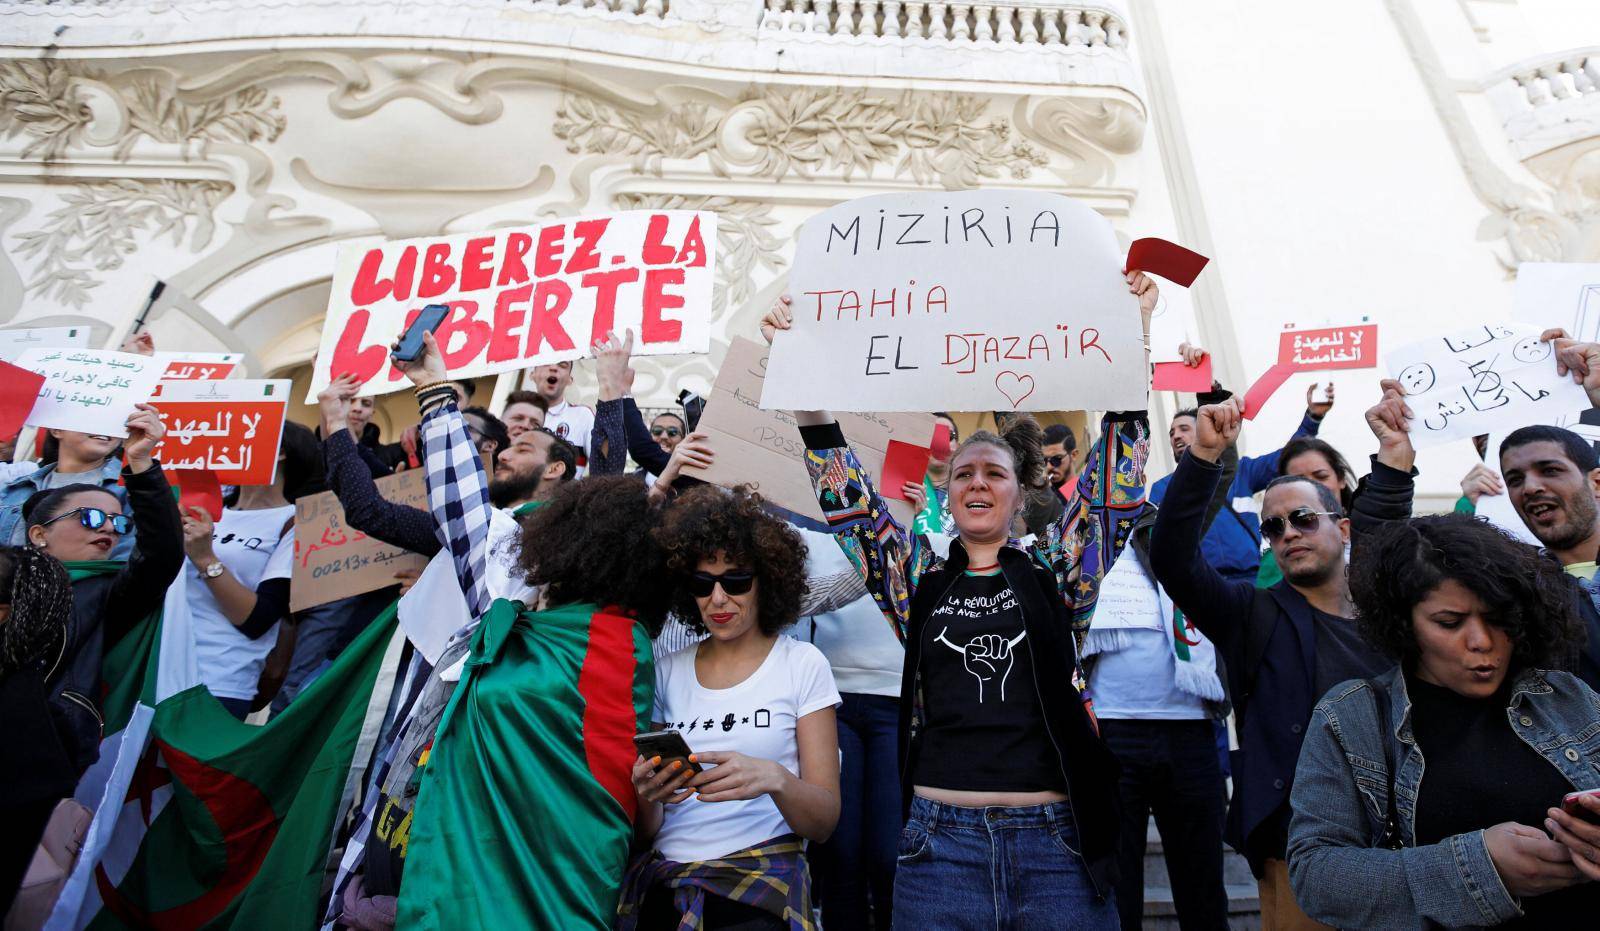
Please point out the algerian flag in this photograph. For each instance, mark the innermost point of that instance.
(207, 821)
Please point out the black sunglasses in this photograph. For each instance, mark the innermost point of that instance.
(669, 431)
(1055, 460)
(1304, 520)
(702, 584)
(94, 519)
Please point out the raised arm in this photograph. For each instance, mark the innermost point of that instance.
(157, 557)
(642, 447)
(1386, 493)
(351, 480)
(1341, 879)
(1215, 605)
(608, 441)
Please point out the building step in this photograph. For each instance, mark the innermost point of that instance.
(1244, 906)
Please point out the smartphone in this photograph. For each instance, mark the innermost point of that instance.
(668, 744)
(1575, 808)
(411, 341)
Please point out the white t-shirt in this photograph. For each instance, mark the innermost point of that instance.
(757, 717)
(248, 543)
(858, 641)
(573, 423)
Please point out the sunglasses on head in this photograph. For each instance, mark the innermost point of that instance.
(96, 519)
(702, 584)
(666, 431)
(1303, 519)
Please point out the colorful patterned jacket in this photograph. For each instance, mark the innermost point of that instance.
(1079, 548)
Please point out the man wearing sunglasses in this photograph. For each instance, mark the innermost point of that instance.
(1285, 646)
(668, 430)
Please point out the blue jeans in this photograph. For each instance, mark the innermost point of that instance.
(855, 868)
(1002, 868)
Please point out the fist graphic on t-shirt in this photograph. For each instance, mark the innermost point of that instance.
(988, 656)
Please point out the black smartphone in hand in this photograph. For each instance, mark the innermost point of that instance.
(668, 744)
(427, 321)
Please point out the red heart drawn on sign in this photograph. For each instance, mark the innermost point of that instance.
(1012, 385)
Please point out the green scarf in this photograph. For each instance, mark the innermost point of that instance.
(80, 569)
(527, 508)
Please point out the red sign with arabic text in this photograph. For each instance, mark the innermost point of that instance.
(231, 427)
(1347, 347)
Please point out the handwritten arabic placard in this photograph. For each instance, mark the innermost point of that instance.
(229, 427)
(199, 366)
(1348, 347)
(964, 301)
(332, 560)
(90, 390)
(763, 448)
(524, 296)
(13, 343)
(1480, 380)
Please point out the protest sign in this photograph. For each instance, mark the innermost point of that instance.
(763, 448)
(525, 296)
(90, 390)
(229, 427)
(13, 343)
(199, 366)
(1350, 347)
(1481, 379)
(963, 301)
(333, 560)
(1559, 294)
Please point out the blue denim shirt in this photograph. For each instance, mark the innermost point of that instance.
(1340, 798)
(18, 491)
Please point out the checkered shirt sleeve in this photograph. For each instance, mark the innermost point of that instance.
(458, 496)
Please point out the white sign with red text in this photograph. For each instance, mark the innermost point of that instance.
(963, 301)
(524, 296)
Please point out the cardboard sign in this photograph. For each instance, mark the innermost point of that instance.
(13, 343)
(333, 560)
(199, 366)
(960, 301)
(1480, 380)
(1351, 347)
(763, 448)
(525, 296)
(90, 390)
(232, 428)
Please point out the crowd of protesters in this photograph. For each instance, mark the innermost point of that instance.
(925, 726)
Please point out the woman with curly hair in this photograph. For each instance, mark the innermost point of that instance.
(523, 808)
(757, 709)
(1000, 761)
(1431, 795)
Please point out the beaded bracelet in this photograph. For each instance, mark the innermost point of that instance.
(430, 386)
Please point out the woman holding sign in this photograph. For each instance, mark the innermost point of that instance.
(1000, 760)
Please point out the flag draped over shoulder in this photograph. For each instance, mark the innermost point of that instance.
(526, 807)
(222, 823)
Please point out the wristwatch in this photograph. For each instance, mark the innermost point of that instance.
(213, 571)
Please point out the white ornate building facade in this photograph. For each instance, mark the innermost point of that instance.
(1389, 159)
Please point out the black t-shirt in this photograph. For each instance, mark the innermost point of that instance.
(1478, 773)
(1342, 653)
(984, 730)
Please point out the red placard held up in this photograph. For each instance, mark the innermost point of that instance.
(19, 388)
(198, 488)
(1168, 259)
(230, 427)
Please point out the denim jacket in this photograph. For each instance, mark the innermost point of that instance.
(16, 492)
(1340, 800)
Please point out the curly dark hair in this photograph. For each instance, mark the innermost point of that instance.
(591, 542)
(1023, 438)
(1524, 593)
(706, 521)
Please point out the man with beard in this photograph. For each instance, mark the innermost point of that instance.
(1060, 455)
(1284, 646)
(529, 470)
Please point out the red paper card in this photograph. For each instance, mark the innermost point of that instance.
(1169, 260)
(1271, 380)
(19, 389)
(198, 488)
(1175, 376)
(940, 449)
(903, 463)
(1346, 347)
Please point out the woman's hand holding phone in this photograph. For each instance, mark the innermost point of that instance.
(661, 784)
(1576, 826)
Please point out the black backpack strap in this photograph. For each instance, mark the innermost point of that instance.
(1390, 838)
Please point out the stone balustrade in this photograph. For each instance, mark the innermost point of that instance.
(1570, 75)
(1550, 101)
(1004, 23)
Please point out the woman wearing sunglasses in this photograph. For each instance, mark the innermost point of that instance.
(757, 710)
(1000, 759)
(80, 525)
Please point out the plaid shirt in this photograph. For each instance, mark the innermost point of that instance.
(1078, 548)
(771, 876)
